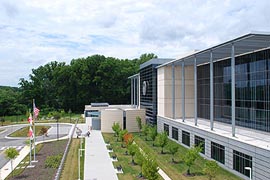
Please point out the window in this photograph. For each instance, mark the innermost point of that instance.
(166, 129)
(252, 87)
(175, 133)
(240, 161)
(218, 152)
(186, 138)
(200, 141)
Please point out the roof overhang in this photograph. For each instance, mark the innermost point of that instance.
(242, 45)
(134, 76)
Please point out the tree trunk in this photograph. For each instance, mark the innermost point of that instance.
(188, 171)
(133, 163)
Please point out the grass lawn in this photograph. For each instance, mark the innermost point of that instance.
(70, 170)
(24, 131)
(130, 171)
(177, 170)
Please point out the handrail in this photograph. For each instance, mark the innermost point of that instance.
(59, 170)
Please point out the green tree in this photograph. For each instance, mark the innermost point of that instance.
(145, 130)
(191, 156)
(139, 159)
(150, 168)
(116, 128)
(11, 153)
(152, 133)
(122, 133)
(162, 140)
(92, 79)
(132, 150)
(56, 115)
(146, 57)
(211, 169)
(11, 101)
(173, 148)
(139, 123)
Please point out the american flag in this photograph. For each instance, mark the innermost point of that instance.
(36, 111)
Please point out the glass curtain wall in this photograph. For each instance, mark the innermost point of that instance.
(148, 80)
(252, 86)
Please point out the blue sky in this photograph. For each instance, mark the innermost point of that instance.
(35, 32)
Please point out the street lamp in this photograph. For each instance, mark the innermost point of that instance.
(249, 169)
(69, 112)
(79, 161)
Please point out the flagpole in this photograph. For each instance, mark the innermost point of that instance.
(30, 152)
(34, 130)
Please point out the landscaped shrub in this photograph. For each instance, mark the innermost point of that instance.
(53, 161)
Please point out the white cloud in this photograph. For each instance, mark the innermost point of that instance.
(35, 32)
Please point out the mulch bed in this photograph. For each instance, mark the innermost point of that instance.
(39, 172)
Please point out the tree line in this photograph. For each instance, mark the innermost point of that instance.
(57, 85)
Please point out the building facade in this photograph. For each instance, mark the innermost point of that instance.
(144, 88)
(102, 116)
(220, 97)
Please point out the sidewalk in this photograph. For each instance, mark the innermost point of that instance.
(98, 164)
(6, 169)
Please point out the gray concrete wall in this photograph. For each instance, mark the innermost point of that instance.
(260, 157)
(131, 122)
(110, 116)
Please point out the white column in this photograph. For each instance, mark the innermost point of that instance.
(195, 92)
(139, 92)
(211, 91)
(173, 91)
(131, 87)
(233, 89)
(134, 91)
(183, 91)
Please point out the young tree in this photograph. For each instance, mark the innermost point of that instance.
(132, 150)
(150, 168)
(11, 153)
(145, 130)
(191, 156)
(162, 140)
(152, 133)
(116, 128)
(122, 134)
(128, 138)
(139, 159)
(173, 148)
(139, 123)
(211, 169)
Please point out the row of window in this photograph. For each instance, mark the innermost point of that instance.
(240, 160)
(252, 87)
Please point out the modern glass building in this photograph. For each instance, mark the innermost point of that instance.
(252, 83)
(220, 97)
(144, 88)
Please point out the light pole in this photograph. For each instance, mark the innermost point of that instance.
(79, 161)
(249, 169)
(69, 112)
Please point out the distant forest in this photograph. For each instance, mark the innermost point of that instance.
(58, 85)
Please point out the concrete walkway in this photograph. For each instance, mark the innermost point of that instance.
(98, 164)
